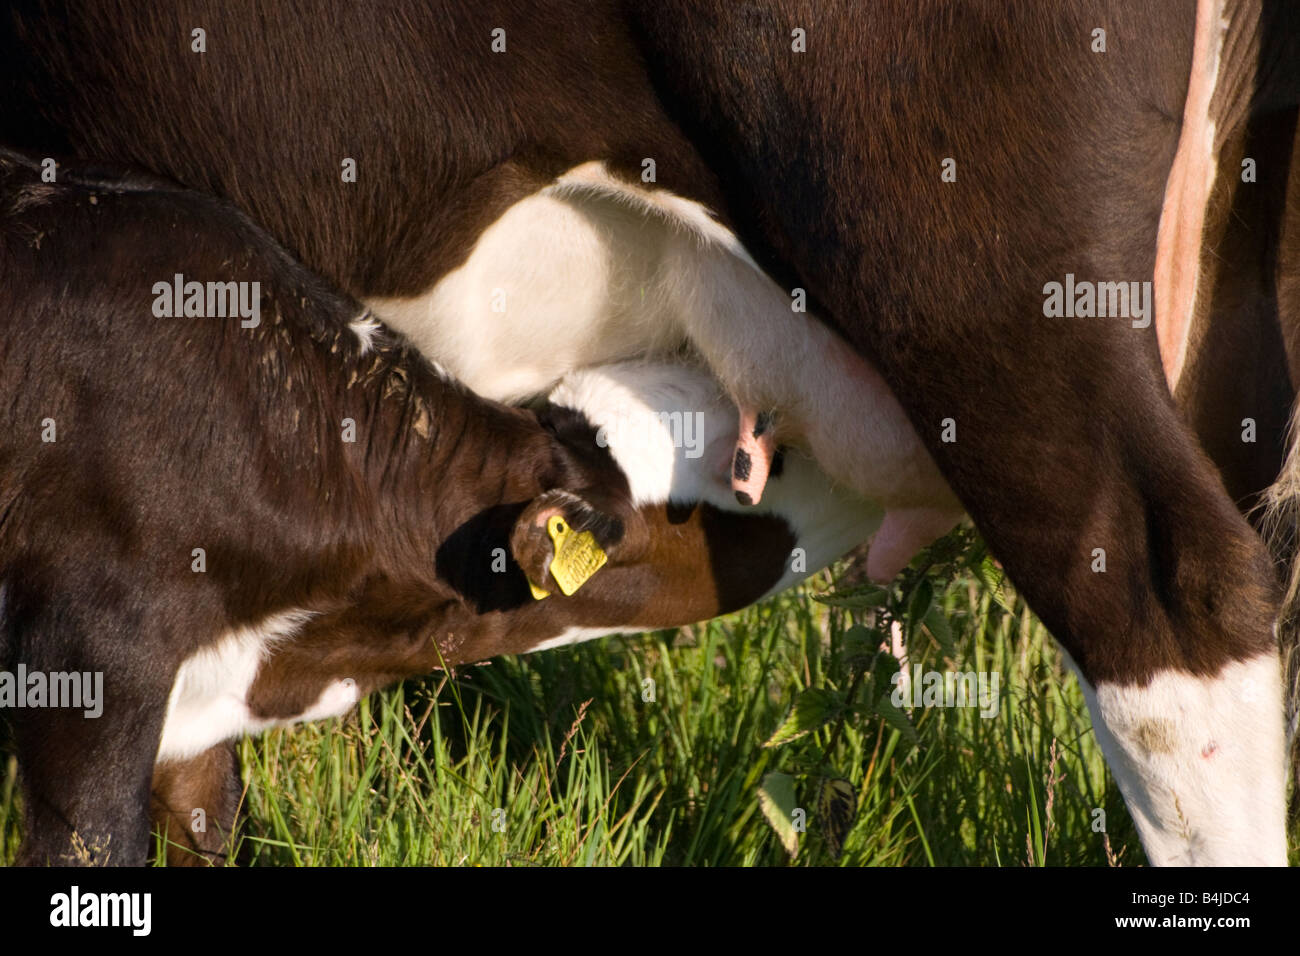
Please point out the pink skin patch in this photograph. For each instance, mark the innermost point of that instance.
(755, 449)
(545, 515)
(1187, 194)
(902, 534)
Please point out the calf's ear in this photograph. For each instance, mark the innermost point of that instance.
(562, 539)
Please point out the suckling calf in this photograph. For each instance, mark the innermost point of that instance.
(246, 519)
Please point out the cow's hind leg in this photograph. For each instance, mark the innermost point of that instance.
(1134, 556)
(1115, 527)
(195, 806)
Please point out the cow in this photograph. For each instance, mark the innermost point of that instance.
(928, 177)
(240, 519)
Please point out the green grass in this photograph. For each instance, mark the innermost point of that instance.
(556, 758)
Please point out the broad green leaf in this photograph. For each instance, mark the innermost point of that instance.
(776, 800)
(861, 644)
(936, 622)
(812, 708)
(993, 578)
(919, 605)
(882, 678)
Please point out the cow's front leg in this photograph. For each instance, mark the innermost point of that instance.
(1185, 748)
(195, 804)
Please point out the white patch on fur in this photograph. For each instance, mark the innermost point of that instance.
(1200, 761)
(365, 327)
(335, 700)
(553, 285)
(209, 699)
(627, 402)
(577, 635)
(827, 520)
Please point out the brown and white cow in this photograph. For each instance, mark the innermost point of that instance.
(924, 172)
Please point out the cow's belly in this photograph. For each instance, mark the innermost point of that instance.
(592, 270)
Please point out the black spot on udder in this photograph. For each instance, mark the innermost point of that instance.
(743, 498)
(742, 465)
(762, 423)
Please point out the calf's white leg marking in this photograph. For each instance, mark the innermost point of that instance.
(209, 699)
(577, 635)
(1201, 762)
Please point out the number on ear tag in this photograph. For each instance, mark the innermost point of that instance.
(577, 555)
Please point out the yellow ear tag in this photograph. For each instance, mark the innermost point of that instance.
(538, 593)
(577, 555)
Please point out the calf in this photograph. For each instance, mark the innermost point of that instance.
(240, 522)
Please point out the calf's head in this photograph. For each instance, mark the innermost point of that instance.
(640, 474)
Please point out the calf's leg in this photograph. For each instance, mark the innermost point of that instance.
(195, 804)
(86, 779)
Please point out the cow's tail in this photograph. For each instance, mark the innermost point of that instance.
(1280, 525)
